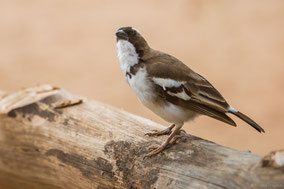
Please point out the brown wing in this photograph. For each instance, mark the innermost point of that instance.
(199, 89)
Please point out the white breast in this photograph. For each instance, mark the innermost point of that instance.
(142, 87)
(138, 83)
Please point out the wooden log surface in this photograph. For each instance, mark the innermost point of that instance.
(50, 138)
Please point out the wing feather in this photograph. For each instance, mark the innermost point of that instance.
(172, 95)
(197, 88)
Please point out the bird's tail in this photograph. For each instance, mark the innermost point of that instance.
(246, 119)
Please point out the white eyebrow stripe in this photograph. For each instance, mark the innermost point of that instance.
(136, 30)
(167, 82)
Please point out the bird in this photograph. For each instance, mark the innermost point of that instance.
(169, 88)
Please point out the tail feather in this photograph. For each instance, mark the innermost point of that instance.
(221, 117)
(247, 119)
(208, 111)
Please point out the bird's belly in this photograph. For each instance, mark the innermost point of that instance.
(144, 90)
(172, 113)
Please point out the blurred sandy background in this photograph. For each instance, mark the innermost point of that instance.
(237, 45)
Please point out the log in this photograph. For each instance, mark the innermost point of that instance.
(50, 138)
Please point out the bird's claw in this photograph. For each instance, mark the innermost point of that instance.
(154, 147)
(175, 139)
(159, 133)
(178, 137)
(151, 133)
(155, 151)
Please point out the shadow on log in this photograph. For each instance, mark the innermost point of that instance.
(50, 138)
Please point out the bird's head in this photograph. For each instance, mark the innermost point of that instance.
(134, 37)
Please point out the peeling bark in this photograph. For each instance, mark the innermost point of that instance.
(93, 145)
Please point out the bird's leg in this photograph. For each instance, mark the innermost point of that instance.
(166, 131)
(165, 143)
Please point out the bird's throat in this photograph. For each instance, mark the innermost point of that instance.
(127, 55)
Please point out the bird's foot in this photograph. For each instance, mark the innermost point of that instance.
(155, 150)
(158, 148)
(178, 137)
(158, 133)
(166, 131)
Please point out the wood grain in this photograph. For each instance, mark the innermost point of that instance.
(93, 145)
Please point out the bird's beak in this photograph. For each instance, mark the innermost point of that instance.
(120, 34)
